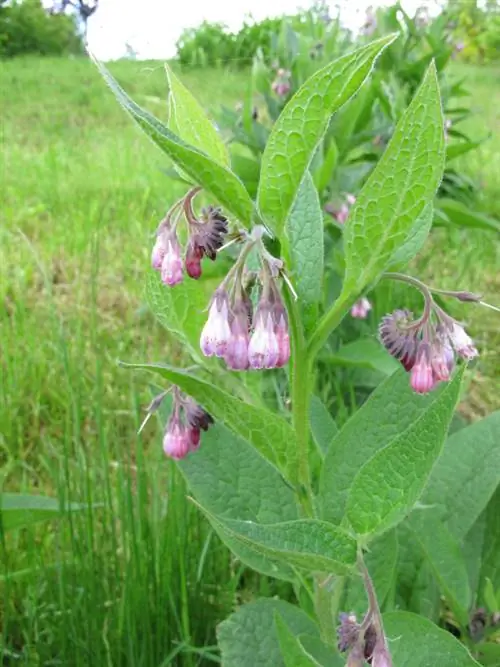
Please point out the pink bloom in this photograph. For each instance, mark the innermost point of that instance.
(442, 361)
(283, 338)
(361, 309)
(342, 214)
(237, 349)
(216, 332)
(263, 351)
(158, 252)
(193, 435)
(171, 266)
(462, 343)
(176, 442)
(422, 376)
(194, 256)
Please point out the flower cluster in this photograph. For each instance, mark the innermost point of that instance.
(183, 430)
(361, 309)
(427, 347)
(281, 84)
(247, 338)
(341, 213)
(205, 237)
(363, 641)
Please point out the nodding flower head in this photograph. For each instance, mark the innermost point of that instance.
(361, 309)
(217, 331)
(427, 346)
(208, 233)
(280, 319)
(183, 431)
(263, 350)
(194, 255)
(236, 356)
(171, 266)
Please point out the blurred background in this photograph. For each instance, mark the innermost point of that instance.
(103, 560)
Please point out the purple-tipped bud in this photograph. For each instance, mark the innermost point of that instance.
(398, 340)
(194, 436)
(281, 88)
(263, 351)
(442, 360)
(196, 416)
(422, 375)
(283, 338)
(347, 631)
(361, 309)
(194, 256)
(158, 252)
(237, 350)
(216, 332)
(462, 343)
(171, 266)
(176, 442)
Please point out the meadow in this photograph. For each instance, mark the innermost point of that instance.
(137, 578)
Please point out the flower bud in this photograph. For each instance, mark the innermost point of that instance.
(263, 351)
(283, 338)
(176, 442)
(442, 360)
(422, 376)
(216, 332)
(361, 309)
(194, 256)
(171, 266)
(194, 436)
(462, 343)
(237, 349)
(158, 252)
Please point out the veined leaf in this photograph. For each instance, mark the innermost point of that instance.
(301, 126)
(217, 179)
(292, 651)
(398, 190)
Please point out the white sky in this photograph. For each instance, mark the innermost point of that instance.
(152, 27)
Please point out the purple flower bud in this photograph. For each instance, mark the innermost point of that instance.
(208, 233)
(442, 360)
(347, 631)
(194, 255)
(196, 416)
(171, 266)
(422, 376)
(176, 442)
(216, 332)
(237, 350)
(397, 339)
(194, 436)
(462, 343)
(361, 309)
(283, 338)
(381, 656)
(263, 351)
(158, 252)
(342, 214)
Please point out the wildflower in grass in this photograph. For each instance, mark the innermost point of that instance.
(428, 346)
(361, 309)
(246, 341)
(281, 84)
(205, 235)
(341, 212)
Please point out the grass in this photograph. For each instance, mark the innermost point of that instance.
(142, 580)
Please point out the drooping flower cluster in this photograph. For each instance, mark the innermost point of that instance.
(427, 347)
(246, 338)
(361, 309)
(341, 212)
(205, 236)
(363, 641)
(183, 430)
(281, 84)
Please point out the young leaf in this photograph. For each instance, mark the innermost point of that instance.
(398, 190)
(231, 480)
(271, 435)
(18, 510)
(447, 562)
(217, 179)
(416, 642)
(304, 228)
(188, 120)
(466, 475)
(248, 637)
(391, 481)
(292, 651)
(301, 126)
(389, 411)
(323, 428)
(305, 543)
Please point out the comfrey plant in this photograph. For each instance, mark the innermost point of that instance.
(364, 522)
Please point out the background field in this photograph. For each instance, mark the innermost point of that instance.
(141, 578)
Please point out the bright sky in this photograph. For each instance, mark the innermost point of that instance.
(152, 27)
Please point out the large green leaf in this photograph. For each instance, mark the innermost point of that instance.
(188, 120)
(231, 480)
(301, 126)
(445, 558)
(416, 642)
(466, 475)
(392, 480)
(398, 190)
(217, 179)
(389, 411)
(270, 434)
(292, 651)
(248, 637)
(304, 228)
(305, 543)
(21, 509)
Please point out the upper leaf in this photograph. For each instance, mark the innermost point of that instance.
(202, 169)
(389, 411)
(188, 120)
(304, 228)
(301, 126)
(249, 638)
(271, 435)
(398, 190)
(416, 642)
(292, 651)
(391, 481)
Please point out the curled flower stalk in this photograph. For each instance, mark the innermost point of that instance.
(428, 346)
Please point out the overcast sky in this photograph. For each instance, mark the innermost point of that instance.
(152, 27)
